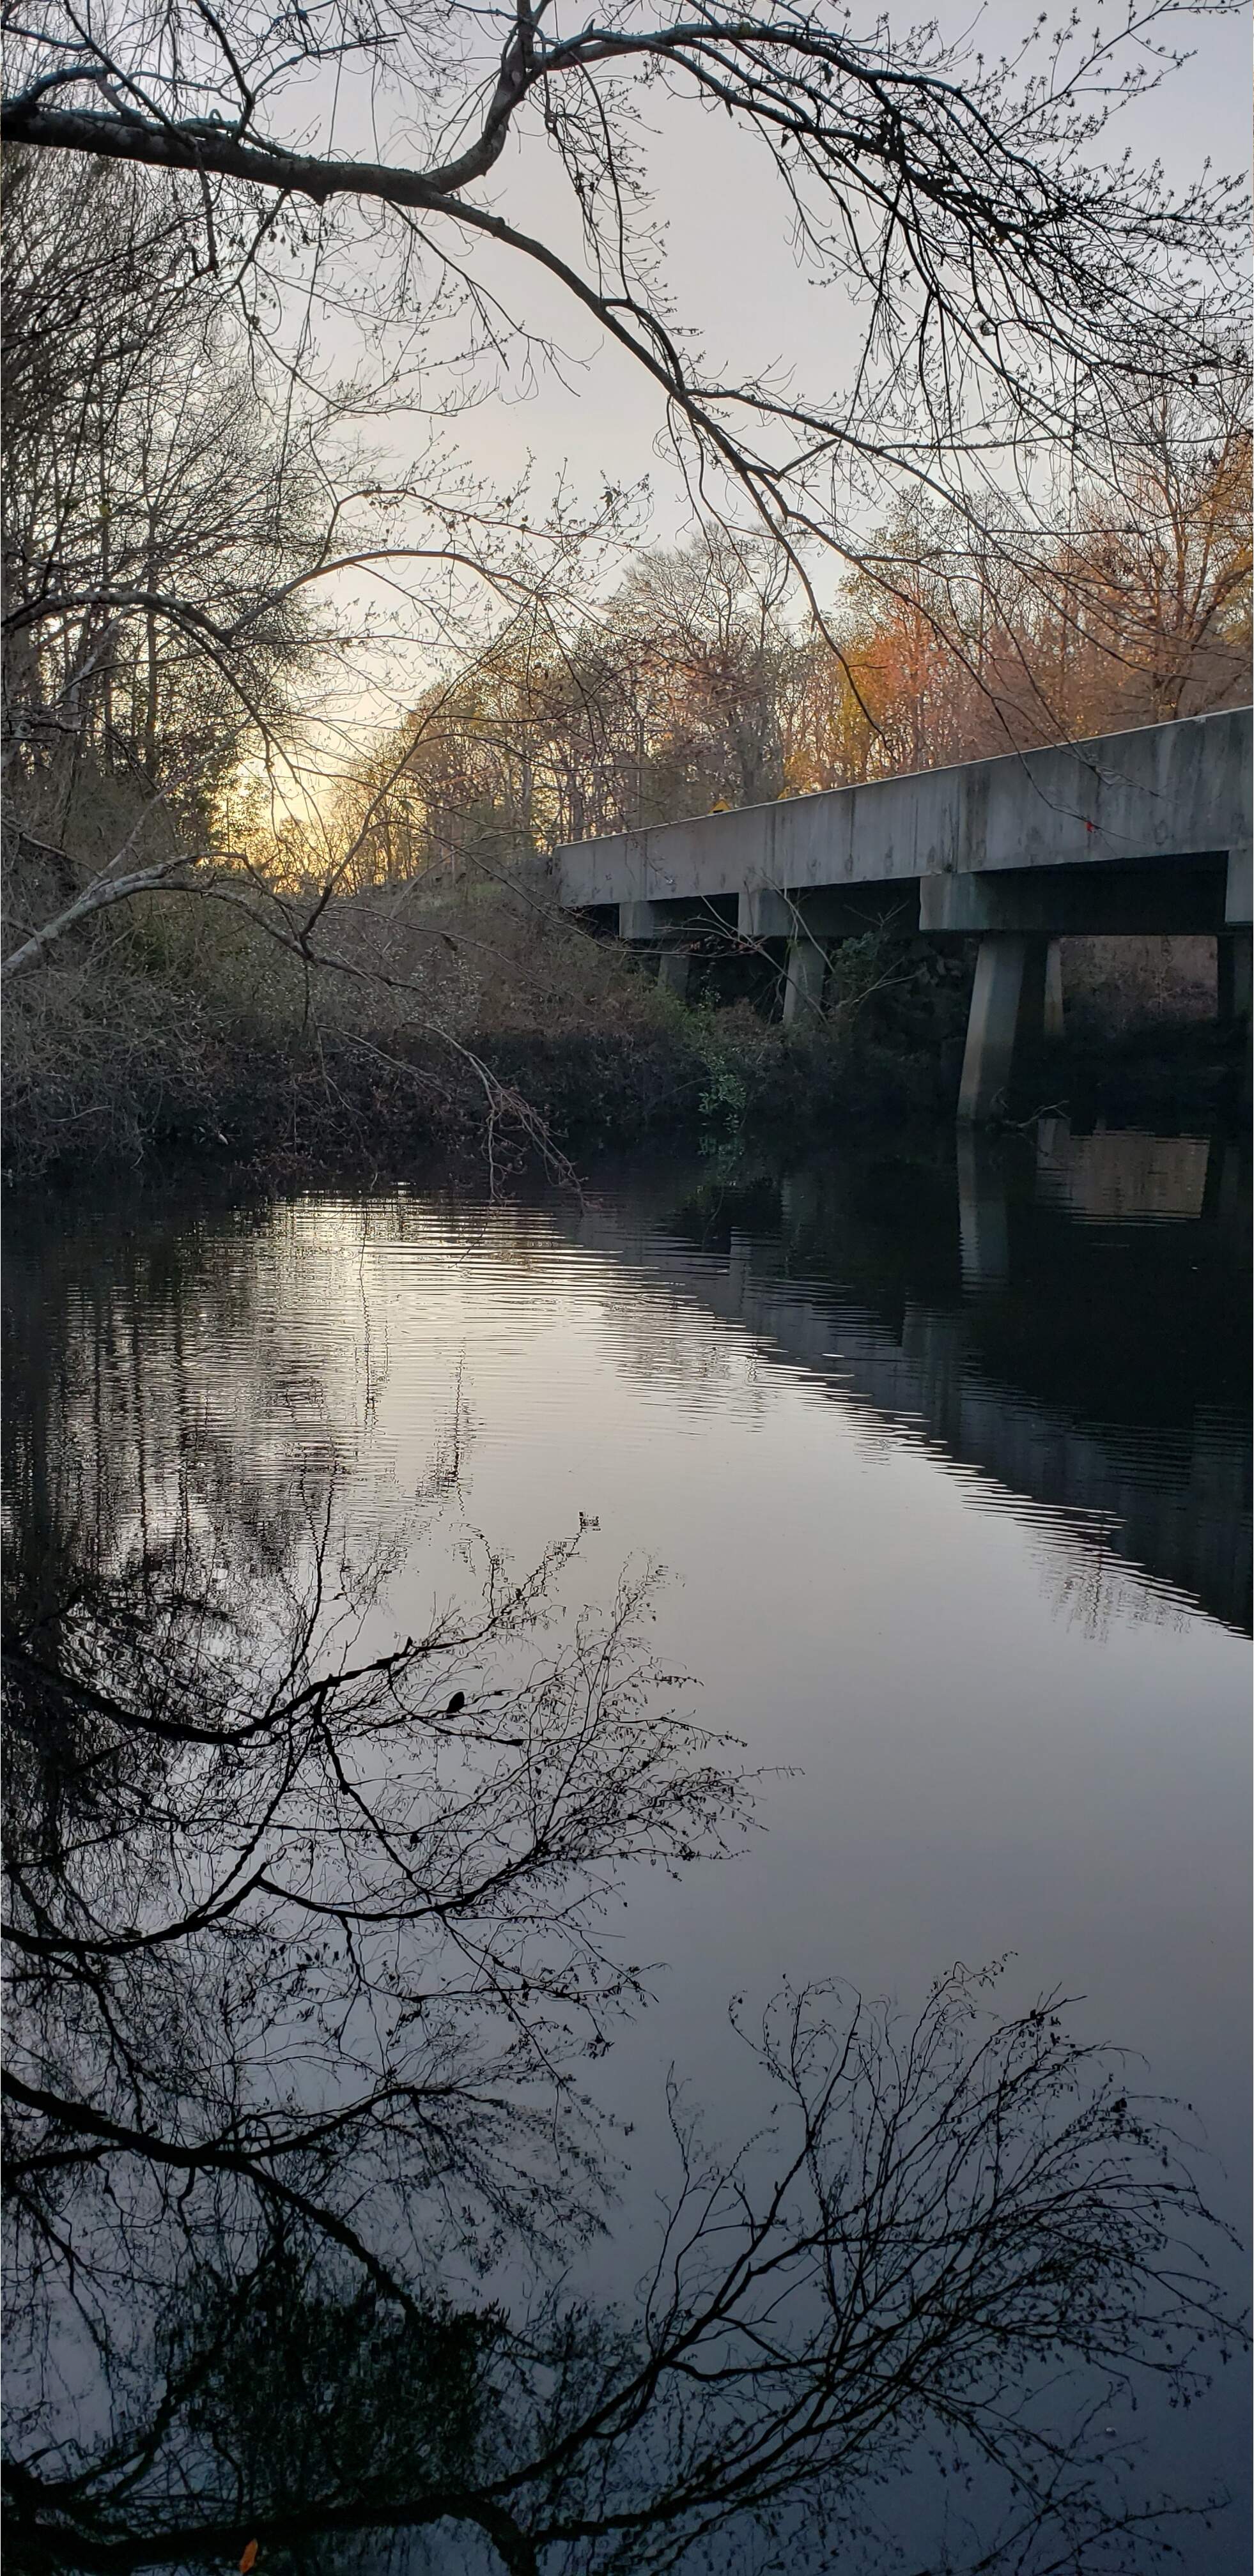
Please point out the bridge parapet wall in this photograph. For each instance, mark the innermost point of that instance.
(1165, 791)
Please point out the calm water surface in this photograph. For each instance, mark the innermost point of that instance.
(946, 1468)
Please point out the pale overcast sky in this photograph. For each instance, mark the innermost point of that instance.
(732, 272)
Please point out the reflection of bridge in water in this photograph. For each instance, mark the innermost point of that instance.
(996, 1370)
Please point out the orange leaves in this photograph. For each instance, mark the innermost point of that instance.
(249, 2558)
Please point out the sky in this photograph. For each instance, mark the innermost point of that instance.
(733, 274)
(730, 272)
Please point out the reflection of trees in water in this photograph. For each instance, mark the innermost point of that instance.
(189, 1372)
(118, 1419)
(307, 1946)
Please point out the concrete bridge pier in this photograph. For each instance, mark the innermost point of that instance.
(641, 924)
(992, 1026)
(1051, 998)
(1016, 1000)
(1234, 961)
(803, 986)
(762, 912)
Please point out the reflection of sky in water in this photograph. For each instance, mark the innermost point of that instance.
(958, 1618)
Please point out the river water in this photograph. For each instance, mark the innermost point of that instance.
(942, 1458)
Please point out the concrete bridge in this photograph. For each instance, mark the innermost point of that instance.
(1131, 832)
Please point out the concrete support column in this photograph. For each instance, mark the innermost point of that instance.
(803, 990)
(1233, 961)
(763, 913)
(1051, 1010)
(1040, 1002)
(1053, 1144)
(992, 1025)
(672, 971)
(639, 921)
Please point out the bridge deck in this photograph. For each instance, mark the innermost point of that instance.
(1145, 831)
(1166, 791)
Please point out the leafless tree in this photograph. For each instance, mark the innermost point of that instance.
(150, 503)
(1009, 271)
(1007, 277)
(1153, 597)
(180, 517)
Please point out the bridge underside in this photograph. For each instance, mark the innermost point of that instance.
(1133, 834)
(1017, 995)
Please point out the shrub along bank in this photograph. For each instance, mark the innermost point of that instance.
(480, 1023)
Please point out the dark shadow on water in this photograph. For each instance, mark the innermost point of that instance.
(1063, 1318)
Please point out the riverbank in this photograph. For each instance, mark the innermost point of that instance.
(719, 1081)
(512, 1095)
(505, 1034)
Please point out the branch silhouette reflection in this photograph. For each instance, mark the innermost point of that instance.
(308, 1969)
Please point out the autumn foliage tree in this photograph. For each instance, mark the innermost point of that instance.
(706, 682)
